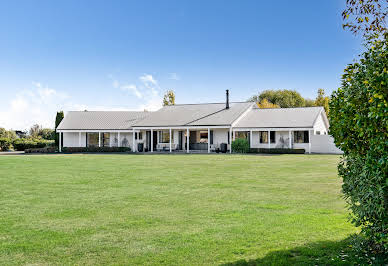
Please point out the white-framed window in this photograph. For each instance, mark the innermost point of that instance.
(301, 136)
(264, 136)
(164, 136)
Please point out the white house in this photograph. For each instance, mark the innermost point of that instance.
(203, 126)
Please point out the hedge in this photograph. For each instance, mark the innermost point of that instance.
(277, 151)
(22, 144)
(95, 149)
(41, 150)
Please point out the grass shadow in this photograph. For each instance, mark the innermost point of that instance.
(318, 253)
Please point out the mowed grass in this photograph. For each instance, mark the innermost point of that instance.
(171, 209)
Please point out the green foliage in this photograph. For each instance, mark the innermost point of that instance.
(47, 133)
(322, 100)
(277, 151)
(58, 120)
(282, 98)
(95, 149)
(169, 98)
(5, 144)
(359, 125)
(365, 16)
(30, 143)
(240, 145)
(10, 134)
(309, 102)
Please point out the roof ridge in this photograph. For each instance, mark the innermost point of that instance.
(200, 103)
(86, 111)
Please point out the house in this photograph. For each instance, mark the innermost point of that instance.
(203, 126)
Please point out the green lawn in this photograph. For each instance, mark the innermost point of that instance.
(172, 209)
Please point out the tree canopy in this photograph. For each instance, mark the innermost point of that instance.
(169, 98)
(281, 98)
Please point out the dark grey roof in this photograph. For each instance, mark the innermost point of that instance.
(101, 119)
(280, 117)
(207, 114)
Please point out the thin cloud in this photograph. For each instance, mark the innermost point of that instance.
(174, 76)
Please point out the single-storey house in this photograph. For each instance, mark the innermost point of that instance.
(200, 127)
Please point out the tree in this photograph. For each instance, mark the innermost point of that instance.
(266, 104)
(359, 124)
(322, 100)
(309, 102)
(366, 16)
(282, 98)
(169, 98)
(58, 120)
(47, 133)
(9, 134)
(35, 130)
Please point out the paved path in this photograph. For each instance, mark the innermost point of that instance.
(11, 152)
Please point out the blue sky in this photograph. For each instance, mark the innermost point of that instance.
(123, 55)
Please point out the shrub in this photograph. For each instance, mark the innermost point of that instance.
(5, 144)
(28, 143)
(359, 125)
(240, 145)
(95, 149)
(277, 151)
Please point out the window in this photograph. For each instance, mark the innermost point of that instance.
(228, 137)
(301, 136)
(272, 136)
(242, 134)
(203, 136)
(92, 139)
(138, 135)
(318, 132)
(211, 136)
(105, 139)
(263, 136)
(164, 137)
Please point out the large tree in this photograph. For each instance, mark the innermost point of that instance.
(281, 98)
(359, 125)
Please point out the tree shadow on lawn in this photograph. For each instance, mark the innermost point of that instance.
(318, 253)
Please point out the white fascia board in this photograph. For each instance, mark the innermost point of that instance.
(272, 128)
(94, 130)
(180, 127)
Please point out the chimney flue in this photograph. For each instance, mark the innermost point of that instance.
(227, 99)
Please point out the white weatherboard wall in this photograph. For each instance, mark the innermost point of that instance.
(320, 125)
(71, 139)
(323, 144)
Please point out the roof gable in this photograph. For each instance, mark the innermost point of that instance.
(194, 115)
(301, 117)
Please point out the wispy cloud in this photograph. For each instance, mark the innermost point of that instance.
(174, 76)
(132, 88)
(147, 89)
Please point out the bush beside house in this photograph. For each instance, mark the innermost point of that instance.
(240, 146)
